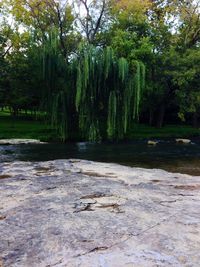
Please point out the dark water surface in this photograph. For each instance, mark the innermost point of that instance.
(166, 155)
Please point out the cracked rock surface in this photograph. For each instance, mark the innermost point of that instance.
(81, 213)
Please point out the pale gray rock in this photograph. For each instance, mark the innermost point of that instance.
(80, 213)
(183, 141)
(152, 143)
(19, 141)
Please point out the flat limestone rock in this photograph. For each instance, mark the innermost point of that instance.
(81, 213)
(19, 141)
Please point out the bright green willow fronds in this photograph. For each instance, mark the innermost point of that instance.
(112, 113)
(95, 93)
(123, 68)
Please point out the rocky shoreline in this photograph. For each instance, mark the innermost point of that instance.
(82, 213)
(20, 141)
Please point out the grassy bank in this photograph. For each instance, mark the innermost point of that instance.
(168, 131)
(21, 127)
(26, 127)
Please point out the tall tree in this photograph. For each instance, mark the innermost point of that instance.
(41, 17)
(92, 17)
(107, 92)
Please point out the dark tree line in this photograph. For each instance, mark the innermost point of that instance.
(83, 63)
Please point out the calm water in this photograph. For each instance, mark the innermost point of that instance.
(166, 155)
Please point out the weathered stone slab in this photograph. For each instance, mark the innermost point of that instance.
(80, 213)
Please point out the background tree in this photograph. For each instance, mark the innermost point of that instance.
(80, 61)
(186, 77)
(40, 17)
(92, 18)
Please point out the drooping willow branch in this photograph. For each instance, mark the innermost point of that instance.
(92, 92)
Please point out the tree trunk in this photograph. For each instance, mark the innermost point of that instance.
(195, 120)
(15, 112)
(151, 113)
(161, 116)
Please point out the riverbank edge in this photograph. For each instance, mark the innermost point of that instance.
(32, 129)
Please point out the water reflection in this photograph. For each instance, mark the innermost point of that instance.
(166, 155)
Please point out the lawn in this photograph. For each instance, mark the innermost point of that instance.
(21, 127)
(168, 131)
(27, 127)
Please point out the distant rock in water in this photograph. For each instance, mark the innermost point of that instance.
(19, 141)
(152, 143)
(183, 141)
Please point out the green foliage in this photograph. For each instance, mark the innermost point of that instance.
(186, 78)
(112, 114)
(47, 63)
(106, 89)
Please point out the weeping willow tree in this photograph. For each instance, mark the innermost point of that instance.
(107, 88)
(59, 94)
(94, 92)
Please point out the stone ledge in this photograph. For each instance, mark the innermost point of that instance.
(20, 141)
(82, 213)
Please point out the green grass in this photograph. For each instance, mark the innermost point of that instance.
(6, 113)
(26, 127)
(168, 131)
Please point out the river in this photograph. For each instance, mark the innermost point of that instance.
(167, 154)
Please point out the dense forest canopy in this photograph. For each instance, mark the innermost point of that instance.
(99, 66)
